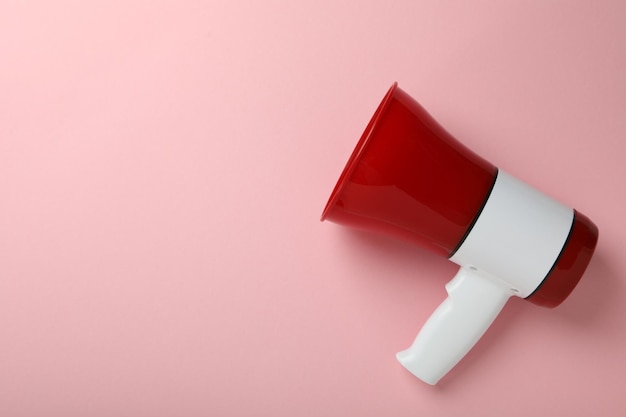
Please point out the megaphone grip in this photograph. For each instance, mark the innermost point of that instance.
(474, 301)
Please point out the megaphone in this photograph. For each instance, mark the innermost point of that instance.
(409, 178)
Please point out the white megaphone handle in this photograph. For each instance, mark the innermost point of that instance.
(474, 301)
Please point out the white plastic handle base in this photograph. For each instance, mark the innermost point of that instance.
(474, 301)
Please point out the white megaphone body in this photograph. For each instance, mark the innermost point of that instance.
(410, 178)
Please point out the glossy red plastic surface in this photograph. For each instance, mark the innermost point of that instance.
(410, 178)
(570, 265)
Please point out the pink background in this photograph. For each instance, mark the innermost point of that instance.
(163, 166)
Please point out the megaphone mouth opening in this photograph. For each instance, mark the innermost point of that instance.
(368, 133)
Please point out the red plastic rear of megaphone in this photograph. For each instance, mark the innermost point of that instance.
(408, 177)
